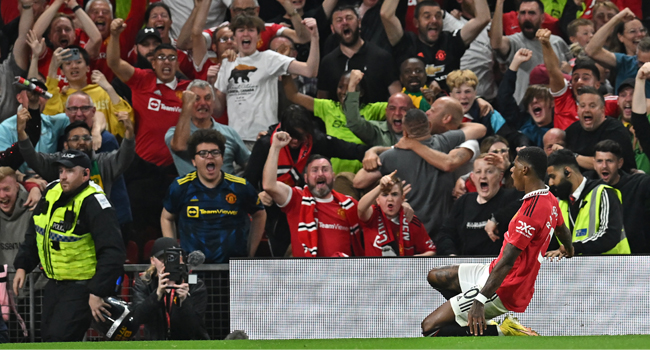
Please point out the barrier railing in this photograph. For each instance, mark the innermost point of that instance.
(217, 316)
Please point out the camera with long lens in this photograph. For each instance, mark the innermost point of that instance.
(176, 268)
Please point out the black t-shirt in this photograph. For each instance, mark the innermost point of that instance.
(583, 142)
(440, 59)
(463, 232)
(377, 64)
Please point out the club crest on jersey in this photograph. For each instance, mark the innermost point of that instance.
(192, 212)
(231, 198)
(341, 213)
(179, 94)
(441, 55)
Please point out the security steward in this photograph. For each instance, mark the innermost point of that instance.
(76, 238)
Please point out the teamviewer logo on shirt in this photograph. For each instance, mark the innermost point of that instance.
(154, 104)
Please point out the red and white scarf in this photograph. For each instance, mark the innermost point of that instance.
(385, 232)
(288, 170)
(308, 229)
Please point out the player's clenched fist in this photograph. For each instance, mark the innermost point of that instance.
(117, 26)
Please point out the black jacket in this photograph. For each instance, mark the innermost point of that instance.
(186, 318)
(635, 191)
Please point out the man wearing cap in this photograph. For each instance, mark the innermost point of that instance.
(625, 92)
(140, 56)
(51, 126)
(76, 238)
(168, 310)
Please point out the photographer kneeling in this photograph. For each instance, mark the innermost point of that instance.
(169, 309)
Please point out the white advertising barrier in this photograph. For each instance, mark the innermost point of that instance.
(389, 297)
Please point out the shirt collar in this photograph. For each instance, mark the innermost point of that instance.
(172, 84)
(539, 192)
(578, 190)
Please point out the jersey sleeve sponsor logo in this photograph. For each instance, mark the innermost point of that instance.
(525, 229)
(231, 198)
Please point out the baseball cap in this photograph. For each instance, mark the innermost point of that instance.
(145, 33)
(72, 158)
(539, 75)
(162, 244)
(627, 82)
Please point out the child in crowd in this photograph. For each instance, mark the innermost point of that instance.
(386, 229)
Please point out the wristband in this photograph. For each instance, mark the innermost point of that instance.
(481, 298)
(74, 9)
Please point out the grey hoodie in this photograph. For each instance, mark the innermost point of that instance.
(13, 228)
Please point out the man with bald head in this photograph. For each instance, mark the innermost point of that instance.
(553, 137)
(375, 132)
(428, 181)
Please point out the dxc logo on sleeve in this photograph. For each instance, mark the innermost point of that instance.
(525, 229)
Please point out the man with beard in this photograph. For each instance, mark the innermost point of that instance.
(441, 51)
(306, 140)
(197, 115)
(355, 53)
(531, 14)
(213, 207)
(593, 127)
(635, 193)
(109, 163)
(75, 236)
(323, 222)
(413, 77)
(591, 209)
(63, 33)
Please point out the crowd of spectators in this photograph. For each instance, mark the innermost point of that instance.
(320, 128)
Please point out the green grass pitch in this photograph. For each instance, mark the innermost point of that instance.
(591, 342)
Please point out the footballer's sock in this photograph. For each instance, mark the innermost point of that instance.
(458, 331)
(448, 294)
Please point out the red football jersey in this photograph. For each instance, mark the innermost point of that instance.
(530, 230)
(566, 109)
(333, 228)
(156, 108)
(416, 240)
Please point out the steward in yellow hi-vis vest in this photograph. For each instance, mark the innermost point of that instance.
(591, 209)
(76, 239)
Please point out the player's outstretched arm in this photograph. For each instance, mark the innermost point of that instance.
(476, 315)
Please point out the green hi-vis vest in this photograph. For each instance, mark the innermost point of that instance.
(588, 219)
(65, 255)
